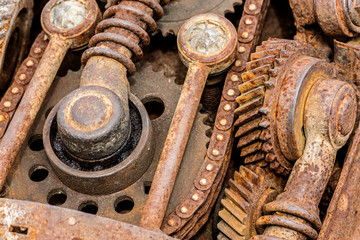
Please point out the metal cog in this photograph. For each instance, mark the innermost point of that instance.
(251, 188)
(176, 12)
(256, 139)
(15, 23)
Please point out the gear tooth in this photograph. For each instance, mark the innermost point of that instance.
(241, 190)
(256, 157)
(249, 138)
(264, 111)
(268, 85)
(273, 73)
(235, 210)
(254, 103)
(247, 117)
(254, 93)
(265, 135)
(254, 83)
(264, 124)
(270, 157)
(278, 62)
(254, 73)
(252, 148)
(233, 227)
(237, 199)
(267, 147)
(247, 173)
(248, 127)
(260, 62)
(244, 182)
(263, 54)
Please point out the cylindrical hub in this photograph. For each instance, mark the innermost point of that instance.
(92, 122)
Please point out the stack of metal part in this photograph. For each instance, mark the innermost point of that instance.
(179, 119)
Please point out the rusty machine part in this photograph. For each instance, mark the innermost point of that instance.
(16, 16)
(207, 45)
(276, 121)
(64, 34)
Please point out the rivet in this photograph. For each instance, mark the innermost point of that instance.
(227, 107)
(22, 76)
(241, 49)
(215, 152)
(223, 122)
(2, 118)
(245, 35)
(231, 92)
(195, 197)
(37, 50)
(252, 7)
(248, 22)
(30, 63)
(220, 137)
(72, 221)
(7, 104)
(184, 209)
(237, 63)
(46, 37)
(171, 222)
(203, 182)
(209, 167)
(234, 78)
(15, 90)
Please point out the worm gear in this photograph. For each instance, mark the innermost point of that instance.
(251, 188)
(15, 23)
(256, 111)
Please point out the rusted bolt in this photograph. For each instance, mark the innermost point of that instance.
(227, 107)
(248, 21)
(203, 182)
(30, 63)
(2, 118)
(245, 35)
(237, 63)
(184, 209)
(252, 7)
(7, 104)
(22, 76)
(15, 90)
(234, 78)
(195, 197)
(72, 221)
(209, 167)
(37, 50)
(241, 49)
(223, 122)
(171, 222)
(231, 92)
(207, 45)
(220, 137)
(215, 152)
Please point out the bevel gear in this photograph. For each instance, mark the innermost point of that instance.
(251, 188)
(257, 111)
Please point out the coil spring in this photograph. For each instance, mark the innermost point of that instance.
(114, 18)
(211, 98)
(289, 217)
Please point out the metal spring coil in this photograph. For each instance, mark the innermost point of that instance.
(283, 219)
(111, 21)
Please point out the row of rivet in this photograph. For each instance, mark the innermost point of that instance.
(13, 95)
(222, 132)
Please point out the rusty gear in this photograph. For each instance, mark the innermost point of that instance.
(251, 188)
(254, 111)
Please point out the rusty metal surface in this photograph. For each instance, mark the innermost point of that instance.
(29, 220)
(206, 45)
(144, 84)
(16, 17)
(41, 82)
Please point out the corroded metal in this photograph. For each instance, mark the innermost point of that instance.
(15, 18)
(60, 42)
(29, 220)
(207, 45)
